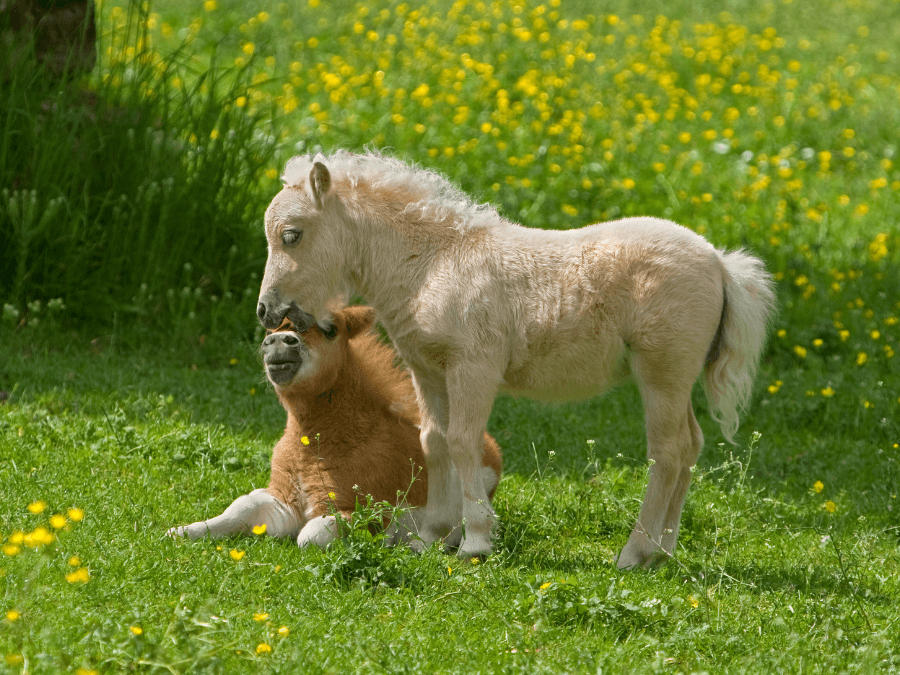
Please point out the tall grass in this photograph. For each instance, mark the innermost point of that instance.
(111, 185)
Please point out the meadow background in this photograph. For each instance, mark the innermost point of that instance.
(132, 398)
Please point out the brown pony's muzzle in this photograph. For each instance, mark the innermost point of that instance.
(283, 354)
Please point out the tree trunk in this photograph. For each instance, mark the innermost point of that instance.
(60, 35)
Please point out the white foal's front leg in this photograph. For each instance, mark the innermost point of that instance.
(246, 512)
(471, 394)
(443, 512)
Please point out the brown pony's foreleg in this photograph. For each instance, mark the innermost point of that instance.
(260, 507)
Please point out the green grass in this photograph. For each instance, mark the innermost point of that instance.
(788, 558)
(142, 438)
(108, 200)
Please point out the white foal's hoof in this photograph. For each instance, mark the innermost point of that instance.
(475, 545)
(641, 552)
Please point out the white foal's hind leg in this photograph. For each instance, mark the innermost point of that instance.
(672, 520)
(246, 512)
(670, 446)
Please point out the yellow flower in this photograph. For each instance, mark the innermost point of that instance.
(248, 48)
(545, 585)
(74, 561)
(11, 550)
(41, 536)
(259, 529)
(210, 5)
(828, 392)
(137, 630)
(75, 515)
(304, 440)
(12, 615)
(80, 575)
(85, 671)
(449, 570)
(235, 554)
(830, 506)
(694, 602)
(800, 351)
(818, 486)
(58, 521)
(284, 631)
(628, 184)
(37, 507)
(263, 648)
(260, 616)
(271, 174)
(332, 496)
(861, 358)
(240, 101)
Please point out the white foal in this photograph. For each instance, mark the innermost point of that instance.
(476, 304)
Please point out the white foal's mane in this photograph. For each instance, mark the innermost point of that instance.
(432, 196)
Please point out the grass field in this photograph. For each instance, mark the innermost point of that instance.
(768, 125)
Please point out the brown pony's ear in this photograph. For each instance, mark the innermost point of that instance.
(319, 183)
(358, 319)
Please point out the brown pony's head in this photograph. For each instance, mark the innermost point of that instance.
(310, 359)
(308, 247)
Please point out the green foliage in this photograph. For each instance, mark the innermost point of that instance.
(362, 557)
(110, 203)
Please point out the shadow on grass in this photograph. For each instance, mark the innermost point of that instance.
(814, 580)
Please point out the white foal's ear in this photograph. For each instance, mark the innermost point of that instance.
(319, 183)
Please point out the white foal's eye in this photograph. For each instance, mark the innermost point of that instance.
(291, 237)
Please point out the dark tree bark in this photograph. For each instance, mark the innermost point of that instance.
(60, 35)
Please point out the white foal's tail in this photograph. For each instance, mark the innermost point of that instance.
(734, 354)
